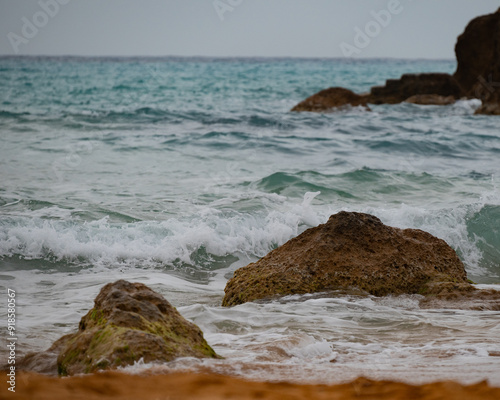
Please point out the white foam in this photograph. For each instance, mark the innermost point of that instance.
(303, 339)
(466, 106)
(332, 340)
(310, 349)
(249, 236)
(102, 242)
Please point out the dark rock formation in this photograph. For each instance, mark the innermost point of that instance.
(409, 85)
(129, 321)
(429, 89)
(477, 76)
(478, 56)
(351, 250)
(331, 98)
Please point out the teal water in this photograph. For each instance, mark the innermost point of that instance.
(177, 171)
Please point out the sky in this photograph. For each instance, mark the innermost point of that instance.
(237, 28)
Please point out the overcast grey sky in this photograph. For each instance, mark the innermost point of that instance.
(276, 28)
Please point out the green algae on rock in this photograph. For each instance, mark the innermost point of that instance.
(350, 250)
(129, 322)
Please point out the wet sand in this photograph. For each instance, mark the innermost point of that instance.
(178, 386)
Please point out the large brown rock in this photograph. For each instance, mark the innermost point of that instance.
(351, 250)
(129, 322)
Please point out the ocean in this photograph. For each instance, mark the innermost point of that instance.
(174, 172)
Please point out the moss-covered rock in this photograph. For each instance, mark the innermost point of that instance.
(351, 250)
(129, 322)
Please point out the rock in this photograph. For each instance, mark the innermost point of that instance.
(461, 296)
(431, 99)
(129, 322)
(491, 107)
(477, 76)
(434, 88)
(398, 90)
(350, 250)
(330, 99)
(478, 54)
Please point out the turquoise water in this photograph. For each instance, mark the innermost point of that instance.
(177, 171)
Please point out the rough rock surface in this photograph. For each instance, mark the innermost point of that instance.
(399, 90)
(351, 250)
(434, 88)
(129, 321)
(431, 99)
(477, 76)
(331, 98)
(478, 55)
(490, 106)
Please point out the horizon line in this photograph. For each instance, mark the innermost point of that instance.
(205, 57)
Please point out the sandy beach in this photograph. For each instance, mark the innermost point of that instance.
(177, 386)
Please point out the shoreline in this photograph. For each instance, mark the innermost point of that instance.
(185, 385)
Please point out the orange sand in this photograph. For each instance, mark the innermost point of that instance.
(177, 386)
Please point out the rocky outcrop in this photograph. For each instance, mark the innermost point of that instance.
(478, 56)
(477, 76)
(129, 322)
(330, 99)
(410, 85)
(426, 89)
(351, 250)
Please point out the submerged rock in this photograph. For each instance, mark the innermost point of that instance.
(477, 76)
(351, 250)
(129, 322)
